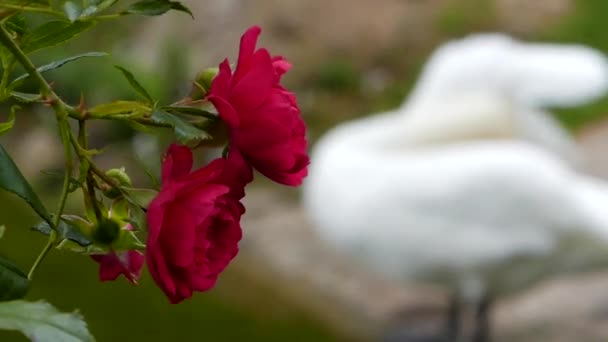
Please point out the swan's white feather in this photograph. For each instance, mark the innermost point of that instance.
(470, 172)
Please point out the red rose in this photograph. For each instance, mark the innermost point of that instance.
(263, 117)
(113, 264)
(194, 223)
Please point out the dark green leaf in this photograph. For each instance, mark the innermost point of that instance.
(72, 10)
(13, 282)
(185, 132)
(53, 33)
(156, 7)
(58, 64)
(25, 97)
(134, 84)
(66, 230)
(13, 181)
(178, 6)
(190, 111)
(6, 126)
(41, 322)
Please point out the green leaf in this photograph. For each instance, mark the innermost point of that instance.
(119, 107)
(134, 84)
(156, 7)
(127, 240)
(92, 7)
(13, 282)
(106, 4)
(66, 230)
(72, 10)
(6, 126)
(57, 64)
(54, 32)
(17, 24)
(185, 132)
(41, 322)
(2, 230)
(25, 97)
(141, 197)
(13, 181)
(190, 111)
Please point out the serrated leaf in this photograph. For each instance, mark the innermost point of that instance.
(54, 32)
(66, 230)
(6, 126)
(119, 107)
(156, 7)
(12, 180)
(13, 282)
(41, 322)
(57, 64)
(190, 111)
(25, 97)
(185, 132)
(72, 10)
(135, 84)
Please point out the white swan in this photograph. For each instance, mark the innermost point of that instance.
(470, 174)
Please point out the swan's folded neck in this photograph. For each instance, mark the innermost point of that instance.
(431, 124)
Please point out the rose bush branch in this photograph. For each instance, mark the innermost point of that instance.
(192, 224)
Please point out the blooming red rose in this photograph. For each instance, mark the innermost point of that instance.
(113, 264)
(263, 117)
(194, 223)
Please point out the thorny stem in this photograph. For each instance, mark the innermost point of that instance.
(62, 110)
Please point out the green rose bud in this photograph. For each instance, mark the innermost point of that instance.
(121, 177)
(202, 83)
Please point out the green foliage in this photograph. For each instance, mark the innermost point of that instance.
(55, 65)
(13, 181)
(135, 84)
(52, 33)
(156, 7)
(41, 322)
(6, 126)
(13, 282)
(338, 76)
(185, 132)
(130, 108)
(66, 230)
(190, 111)
(463, 16)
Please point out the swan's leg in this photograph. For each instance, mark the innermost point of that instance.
(482, 331)
(454, 318)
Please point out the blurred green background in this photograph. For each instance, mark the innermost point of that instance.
(334, 80)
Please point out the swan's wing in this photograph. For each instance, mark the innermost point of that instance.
(454, 207)
(537, 74)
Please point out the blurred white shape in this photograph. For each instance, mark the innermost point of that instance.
(470, 173)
